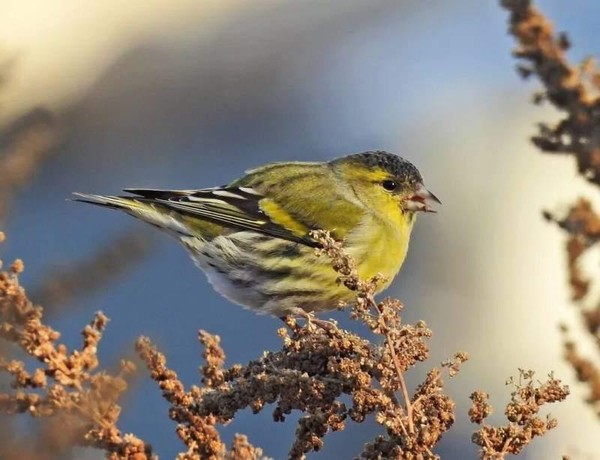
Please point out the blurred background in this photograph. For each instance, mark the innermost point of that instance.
(189, 94)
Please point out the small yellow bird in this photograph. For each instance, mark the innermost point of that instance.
(252, 237)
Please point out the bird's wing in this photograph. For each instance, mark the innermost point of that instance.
(310, 194)
(240, 208)
(283, 200)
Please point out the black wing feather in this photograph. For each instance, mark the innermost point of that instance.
(233, 207)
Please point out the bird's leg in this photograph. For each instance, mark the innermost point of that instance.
(311, 319)
(289, 321)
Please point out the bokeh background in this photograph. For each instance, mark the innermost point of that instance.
(189, 94)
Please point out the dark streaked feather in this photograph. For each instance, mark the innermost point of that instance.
(234, 207)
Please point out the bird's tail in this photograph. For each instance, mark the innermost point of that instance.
(116, 202)
(141, 208)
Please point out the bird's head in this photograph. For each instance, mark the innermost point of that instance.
(385, 182)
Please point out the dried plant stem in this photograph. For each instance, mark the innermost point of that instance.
(575, 91)
(67, 386)
(409, 409)
(399, 372)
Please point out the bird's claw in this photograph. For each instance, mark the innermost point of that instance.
(311, 320)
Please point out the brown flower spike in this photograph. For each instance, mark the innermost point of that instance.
(522, 412)
(66, 385)
(315, 368)
(575, 91)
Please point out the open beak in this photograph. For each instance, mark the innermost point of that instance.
(421, 200)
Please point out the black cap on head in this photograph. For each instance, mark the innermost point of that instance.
(397, 166)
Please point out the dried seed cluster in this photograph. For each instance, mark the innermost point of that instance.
(524, 422)
(66, 384)
(330, 375)
(575, 91)
(318, 365)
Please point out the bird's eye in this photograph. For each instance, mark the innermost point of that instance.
(390, 185)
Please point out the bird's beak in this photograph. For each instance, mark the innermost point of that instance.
(421, 200)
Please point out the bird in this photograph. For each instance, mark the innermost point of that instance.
(252, 237)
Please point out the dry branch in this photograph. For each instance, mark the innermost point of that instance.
(575, 91)
(318, 364)
(524, 422)
(65, 385)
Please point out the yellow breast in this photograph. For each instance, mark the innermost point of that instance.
(380, 246)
